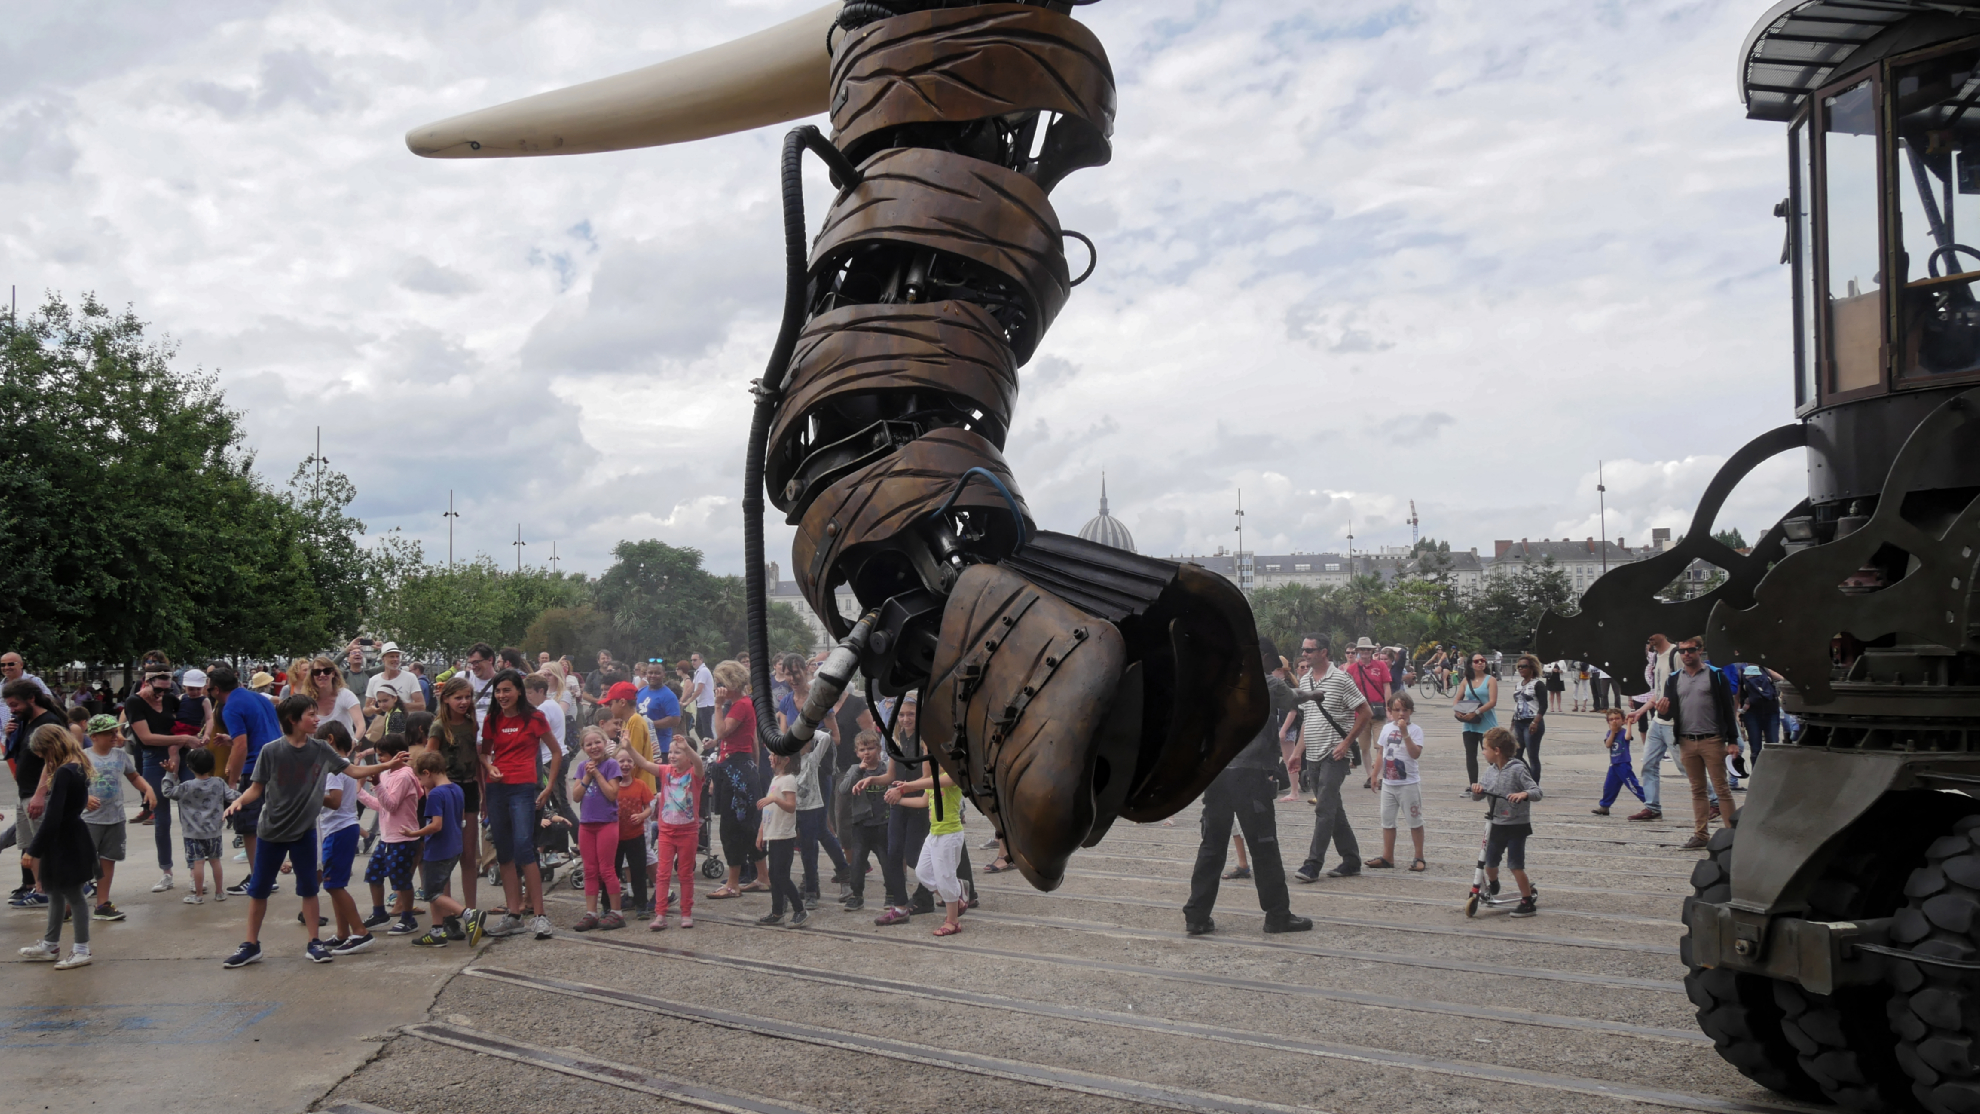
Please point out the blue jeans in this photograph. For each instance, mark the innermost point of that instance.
(1654, 748)
(811, 832)
(152, 770)
(511, 821)
(1761, 727)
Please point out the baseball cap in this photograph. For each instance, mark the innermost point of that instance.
(194, 678)
(624, 690)
(99, 724)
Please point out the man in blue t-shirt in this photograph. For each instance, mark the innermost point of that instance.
(662, 709)
(250, 721)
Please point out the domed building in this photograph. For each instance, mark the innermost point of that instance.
(1105, 528)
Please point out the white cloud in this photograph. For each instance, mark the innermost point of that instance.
(1352, 254)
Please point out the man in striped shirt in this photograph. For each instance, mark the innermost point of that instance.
(1334, 713)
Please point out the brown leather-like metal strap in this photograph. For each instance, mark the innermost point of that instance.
(962, 207)
(879, 501)
(956, 65)
(953, 349)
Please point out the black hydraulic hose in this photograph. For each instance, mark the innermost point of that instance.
(769, 391)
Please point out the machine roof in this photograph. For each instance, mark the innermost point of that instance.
(1800, 44)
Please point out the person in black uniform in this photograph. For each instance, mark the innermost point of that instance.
(1243, 792)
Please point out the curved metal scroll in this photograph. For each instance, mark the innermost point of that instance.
(1802, 604)
(1621, 609)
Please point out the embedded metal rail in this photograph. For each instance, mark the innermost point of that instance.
(1419, 880)
(1682, 1100)
(1058, 1079)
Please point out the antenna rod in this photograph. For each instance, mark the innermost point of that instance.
(1602, 501)
(450, 516)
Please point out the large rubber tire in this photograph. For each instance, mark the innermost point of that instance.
(1739, 1011)
(1845, 1040)
(1936, 1010)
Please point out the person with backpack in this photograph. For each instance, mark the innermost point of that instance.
(1760, 706)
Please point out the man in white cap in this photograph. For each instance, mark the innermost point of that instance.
(406, 684)
(1373, 679)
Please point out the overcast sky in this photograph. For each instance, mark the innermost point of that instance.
(1351, 255)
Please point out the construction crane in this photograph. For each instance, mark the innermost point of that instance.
(1412, 523)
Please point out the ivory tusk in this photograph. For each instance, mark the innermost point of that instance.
(769, 77)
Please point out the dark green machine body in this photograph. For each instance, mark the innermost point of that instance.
(1833, 939)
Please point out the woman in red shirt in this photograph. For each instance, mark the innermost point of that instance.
(511, 739)
(734, 777)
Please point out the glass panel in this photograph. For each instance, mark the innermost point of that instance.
(1938, 189)
(1855, 302)
(1801, 227)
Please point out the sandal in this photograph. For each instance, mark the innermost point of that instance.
(1238, 872)
(1419, 865)
(756, 888)
(947, 928)
(994, 868)
(1380, 864)
(723, 892)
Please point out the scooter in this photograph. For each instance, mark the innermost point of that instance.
(1485, 892)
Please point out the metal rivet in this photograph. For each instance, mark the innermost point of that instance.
(990, 644)
(1079, 632)
(1029, 691)
(831, 529)
(1051, 661)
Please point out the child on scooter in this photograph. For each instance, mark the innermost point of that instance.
(1621, 775)
(1512, 790)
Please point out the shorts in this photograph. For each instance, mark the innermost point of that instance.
(202, 850)
(268, 856)
(433, 875)
(339, 850)
(1508, 840)
(394, 861)
(109, 840)
(470, 797)
(1402, 801)
(249, 817)
(512, 822)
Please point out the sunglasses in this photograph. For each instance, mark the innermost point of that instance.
(323, 673)
(1309, 649)
(1690, 650)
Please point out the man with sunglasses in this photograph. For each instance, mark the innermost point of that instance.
(1336, 713)
(1697, 698)
(481, 680)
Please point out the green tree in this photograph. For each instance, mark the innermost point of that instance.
(130, 515)
(1287, 611)
(1731, 538)
(1504, 615)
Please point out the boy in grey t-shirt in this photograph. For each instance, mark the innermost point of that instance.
(288, 780)
(202, 804)
(110, 767)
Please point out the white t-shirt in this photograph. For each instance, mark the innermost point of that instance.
(554, 714)
(346, 700)
(484, 695)
(406, 684)
(1398, 768)
(778, 824)
(344, 815)
(704, 688)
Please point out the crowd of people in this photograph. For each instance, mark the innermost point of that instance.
(494, 766)
(503, 768)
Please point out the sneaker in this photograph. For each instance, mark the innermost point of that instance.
(1204, 927)
(923, 907)
(893, 915)
(354, 945)
(811, 901)
(404, 926)
(79, 957)
(586, 923)
(854, 903)
(334, 943)
(1302, 876)
(193, 899)
(798, 917)
(454, 929)
(376, 919)
(1344, 871)
(992, 844)
(770, 918)
(220, 894)
(321, 920)
(107, 912)
(1695, 843)
(434, 938)
(240, 856)
(163, 884)
(540, 925)
(687, 922)
(509, 925)
(238, 889)
(1525, 908)
(474, 925)
(1492, 888)
(1599, 810)
(317, 952)
(41, 951)
(1649, 814)
(1288, 922)
(1712, 813)
(612, 919)
(89, 890)
(248, 953)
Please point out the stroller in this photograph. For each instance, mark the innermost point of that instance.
(1484, 892)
